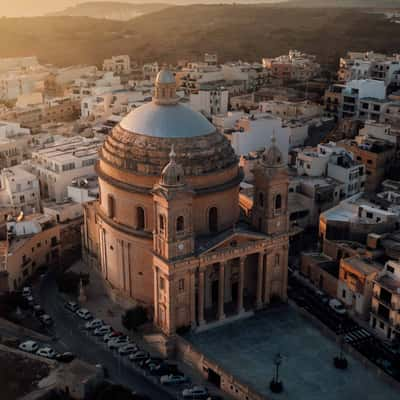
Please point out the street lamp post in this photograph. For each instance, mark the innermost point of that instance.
(340, 362)
(276, 385)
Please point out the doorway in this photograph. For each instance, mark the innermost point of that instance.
(214, 292)
(235, 291)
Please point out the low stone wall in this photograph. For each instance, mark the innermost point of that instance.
(186, 353)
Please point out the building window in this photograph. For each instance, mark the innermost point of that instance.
(278, 202)
(162, 283)
(180, 226)
(161, 223)
(181, 285)
(213, 219)
(381, 325)
(343, 293)
(110, 206)
(277, 260)
(140, 218)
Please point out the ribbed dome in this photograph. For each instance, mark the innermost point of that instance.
(167, 121)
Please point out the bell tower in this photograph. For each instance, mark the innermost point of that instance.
(173, 200)
(270, 206)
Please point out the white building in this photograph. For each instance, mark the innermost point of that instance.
(59, 164)
(253, 132)
(118, 64)
(14, 143)
(84, 189)
(334, 162)
(210, 100)
(19, 191)
(291, 109)
(18, 63)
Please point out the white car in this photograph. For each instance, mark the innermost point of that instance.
(47, 352)
(173, 379)
(30, 299)
(196, 392)
(138, 356)
(102, 330)
(26, 291)
(30, 346)
(118, 342)
(46, 319)
(112, 335)
(94, 324)
(128, 349)
(84, 314)
(337, 306)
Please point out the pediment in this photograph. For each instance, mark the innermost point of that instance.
(228, 241)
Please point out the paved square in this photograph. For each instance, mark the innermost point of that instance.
(246, 349)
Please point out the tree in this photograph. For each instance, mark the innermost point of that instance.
(134, 317)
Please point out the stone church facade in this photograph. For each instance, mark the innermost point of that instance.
(166, 231)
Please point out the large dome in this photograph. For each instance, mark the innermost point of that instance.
(166, 121)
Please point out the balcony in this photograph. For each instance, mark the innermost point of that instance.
(387, 303)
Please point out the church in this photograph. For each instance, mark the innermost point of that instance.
(167, 231)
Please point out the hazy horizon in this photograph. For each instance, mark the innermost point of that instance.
(29, 8)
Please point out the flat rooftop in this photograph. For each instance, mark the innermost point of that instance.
(246, 350)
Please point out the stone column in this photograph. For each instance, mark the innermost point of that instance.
(260, 275)
(192, 299)
(267, 281)
(200, 293)
(221, 294)
(156, 295)
(240, 308)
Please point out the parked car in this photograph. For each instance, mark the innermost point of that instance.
(71, 306)
(93, 324)
(30, 346)
(151, 361)
(30, 300)
(102, 330)
(65, 357)
(118, 342)
(27, 291)
(337, 306)
(196, 392)
(47, 352)
(45, 319)
(164, 368)
(128, 349)
(112, 335)
(138, 356)
(84, 314)
(38, 310)
(173, 379)
(324, 298)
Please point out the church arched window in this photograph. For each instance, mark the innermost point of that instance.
(140, 218)
(161, 223)
(213, 219)
(110, 206)
(278, 202)
(180, 224)
(261, 199)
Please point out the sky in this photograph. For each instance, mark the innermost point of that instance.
(27, 8)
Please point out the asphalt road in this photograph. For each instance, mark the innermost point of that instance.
(71, 337)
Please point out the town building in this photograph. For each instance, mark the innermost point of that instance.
(331, 161)
(14, 144)
(353, 99)
(118, 64)
(354, 218)
(166, 232)
(30, 243)
(385, 318)
(355, 286)
(19, 191)
(376, 155)
(293, 66)
(210, 100)
(370, 65)
(57, 165)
